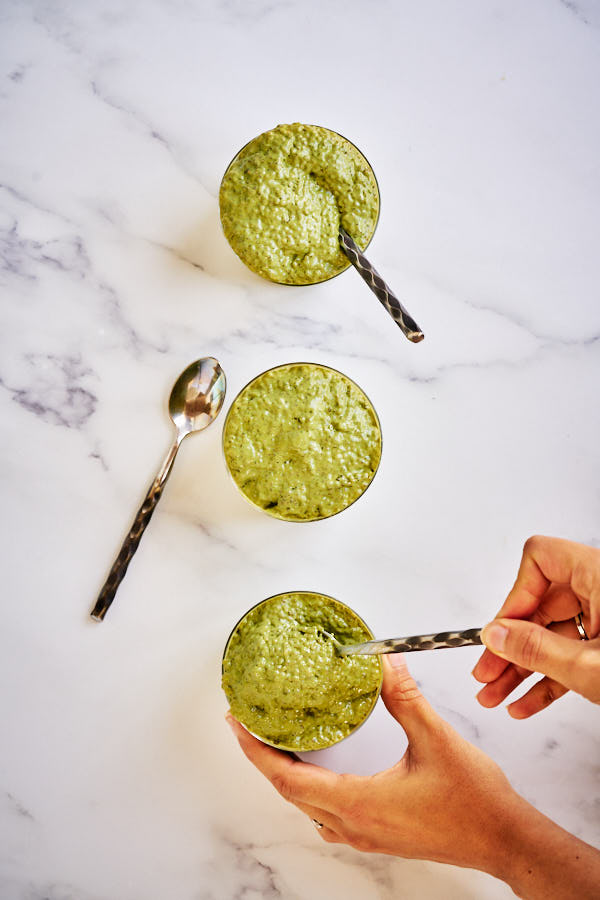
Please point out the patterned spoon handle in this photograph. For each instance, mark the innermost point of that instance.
(441, 641)
(134, 536)
(386, 296)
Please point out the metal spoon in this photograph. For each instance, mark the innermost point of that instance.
(382, 291)
(441, 641)
(195, 402)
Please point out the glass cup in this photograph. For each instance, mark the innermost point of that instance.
(273, 510)
(306, 721)
(347, 264)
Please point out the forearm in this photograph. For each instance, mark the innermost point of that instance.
(542, 860)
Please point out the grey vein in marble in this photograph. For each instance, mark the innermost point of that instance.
(177, 254)
(19, 808)
(18, 74)
(28, 202)
(239, 874)
(25, 258)
(55, 390)
(96, 454)
(20, 256)
(148, 129)
(592, 11)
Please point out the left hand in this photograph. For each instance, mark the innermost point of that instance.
(444, 800)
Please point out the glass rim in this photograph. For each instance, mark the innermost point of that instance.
(267, 511)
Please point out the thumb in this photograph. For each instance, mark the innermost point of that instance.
(535, 648)
(403, 699)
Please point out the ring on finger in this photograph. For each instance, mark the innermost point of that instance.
(578, 619)
(317, 824)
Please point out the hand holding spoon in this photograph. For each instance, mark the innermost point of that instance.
(441, 641)
(195, 402)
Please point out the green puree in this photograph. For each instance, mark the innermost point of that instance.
(284, 196)
(284, 680)
(302, 441)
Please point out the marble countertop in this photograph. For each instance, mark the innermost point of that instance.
(119, 776)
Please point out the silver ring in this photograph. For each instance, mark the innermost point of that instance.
(578, 619)
(317, 824)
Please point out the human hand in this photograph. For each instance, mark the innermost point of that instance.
(444, 800)
(535, 629)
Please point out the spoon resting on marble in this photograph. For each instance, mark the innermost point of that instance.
(441, 641)
(382, 291)
(195, 402)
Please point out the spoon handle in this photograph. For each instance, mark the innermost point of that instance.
(134, 536)
(441, 641)
(386, 296)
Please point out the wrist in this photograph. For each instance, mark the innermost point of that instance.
(506, 846)
(539, 859)
(524, 840)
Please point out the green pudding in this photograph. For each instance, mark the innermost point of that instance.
(302, 442)
(284, 680)
(284, 196)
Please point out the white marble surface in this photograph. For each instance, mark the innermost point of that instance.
(119, 778)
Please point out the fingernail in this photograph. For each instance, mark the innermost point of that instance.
(395, 659)
(230, 721)
(494, 637)
(483, 700)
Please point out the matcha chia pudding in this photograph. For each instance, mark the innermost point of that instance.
(284, 680)
(302, 442)
(284, 197)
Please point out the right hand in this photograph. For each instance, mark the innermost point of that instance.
(535, 632)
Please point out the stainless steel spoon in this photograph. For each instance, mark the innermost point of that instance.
(195, 402)
(382, 291)
(441, 641)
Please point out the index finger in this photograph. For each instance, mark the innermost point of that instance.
(548, 560)
(296, 781)
(545, 560)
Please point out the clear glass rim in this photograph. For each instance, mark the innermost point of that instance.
(267, 511)
(371, 637)
(346, 267)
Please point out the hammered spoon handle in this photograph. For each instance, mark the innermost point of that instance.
(134, 536)
(441, 641)
(382, 291)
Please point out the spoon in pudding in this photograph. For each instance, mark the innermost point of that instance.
(282, 200)
(195, 402)
(441, 641)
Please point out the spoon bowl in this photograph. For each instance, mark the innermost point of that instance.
(195, 402)
(197, 395)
